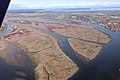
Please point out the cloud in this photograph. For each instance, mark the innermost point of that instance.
(64, 5)
(14, 2)
(110, 4)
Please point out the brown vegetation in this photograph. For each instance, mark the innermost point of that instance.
(89, 50)
(84, 32)
(43, 50)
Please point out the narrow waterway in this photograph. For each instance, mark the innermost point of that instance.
(106, 66)
(16, 65)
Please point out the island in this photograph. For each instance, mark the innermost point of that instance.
(41, 35)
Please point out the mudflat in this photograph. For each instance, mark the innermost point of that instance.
(44, 52)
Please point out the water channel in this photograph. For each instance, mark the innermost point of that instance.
(106, 65)
(16, 65)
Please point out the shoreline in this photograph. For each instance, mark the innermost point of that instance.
(45, 57)
(26, 37)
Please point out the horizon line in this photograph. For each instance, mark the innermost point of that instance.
(65, 5)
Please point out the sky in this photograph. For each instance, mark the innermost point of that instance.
(66, 3)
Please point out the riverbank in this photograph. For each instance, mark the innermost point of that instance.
(44, 52)
(83, 32)
(14, 64)
(86, 49)
(3, 27)
(80, 44)
(85, 40)
(2, 46)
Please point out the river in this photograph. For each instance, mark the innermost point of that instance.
(16, 65)
(106, 65)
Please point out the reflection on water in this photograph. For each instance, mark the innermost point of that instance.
(19, 66)
(11, 72)
(106, 65)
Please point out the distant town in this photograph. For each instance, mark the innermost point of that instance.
(106, 18)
